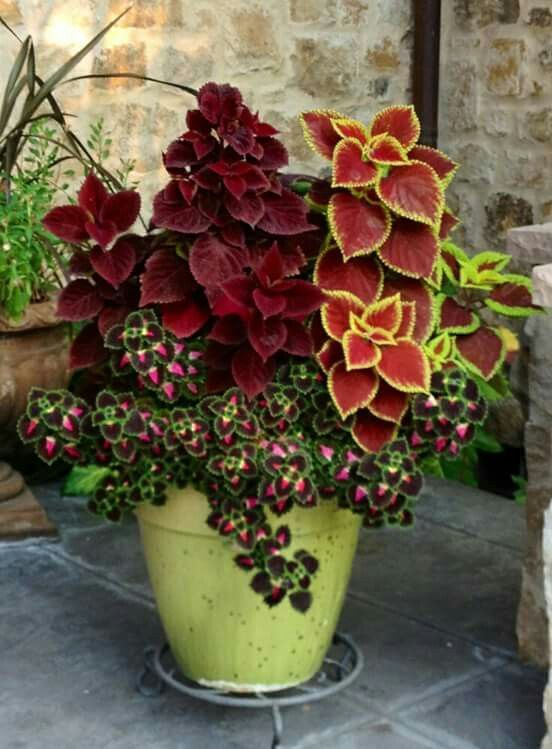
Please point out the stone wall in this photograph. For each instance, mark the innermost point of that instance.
(286, 55)
(532, 246)
(496, 114)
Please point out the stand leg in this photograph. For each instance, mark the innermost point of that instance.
(278, 727)
(149, 683)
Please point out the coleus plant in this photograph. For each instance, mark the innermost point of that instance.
(275, 350)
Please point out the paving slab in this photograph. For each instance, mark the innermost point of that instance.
(68, 674)
(500, 710)
(475, 512)
(432, 610)
(406, 661)
(456, 582)
(380, 735)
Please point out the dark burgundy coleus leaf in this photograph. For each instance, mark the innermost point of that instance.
(212, 261)
(114, 265)
(172, 209)
(99, 215)
(79, 300)
(284, 214)
(250, 373)
(112, 315)
(184, 319)
(87, 349)
(166, 278)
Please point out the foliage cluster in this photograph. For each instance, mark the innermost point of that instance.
(274, 351)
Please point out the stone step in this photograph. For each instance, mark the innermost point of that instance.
(11, 482)
(22, 517)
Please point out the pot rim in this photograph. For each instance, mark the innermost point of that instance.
(37, 316)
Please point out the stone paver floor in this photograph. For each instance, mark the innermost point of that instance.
(433, 610)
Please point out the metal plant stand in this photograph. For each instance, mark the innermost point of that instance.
(341, 667)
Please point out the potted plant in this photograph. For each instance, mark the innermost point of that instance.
(275, 363)
(35, 143)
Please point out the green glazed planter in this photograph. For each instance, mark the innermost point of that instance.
(220, 632)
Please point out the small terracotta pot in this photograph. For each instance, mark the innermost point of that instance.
(34, 352)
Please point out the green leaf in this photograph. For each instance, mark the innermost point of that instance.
(50, 83)
(486, 442)
(9, 99)
(431, 466)
(463, 468)
(83, 480)
(520, 494)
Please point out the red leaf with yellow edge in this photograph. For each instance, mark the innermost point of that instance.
(411, 249)
(385, 314)
(399, 121)
(454, 318)
(331, 353)
(349, 128)
(349, 168)
(371, 433)
(360, 352)
(444, 167)
(449, 222)
(384, 149)
(358, 227)
(482, 351)
(405, 366)
(319, 132)
(361, 276)
(336, 314)
(412, 290)
(413, 191)
(388, 403)
(408, 320)
(351, 390)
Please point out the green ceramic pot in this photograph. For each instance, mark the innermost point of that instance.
(220, 632)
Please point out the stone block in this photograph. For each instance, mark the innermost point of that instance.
(325, 65)
(470, 14)
(532, 245)
(251, 40)
(11, 12)
(354, 12)
(121, 58)
(503, 212)
(545, 57)
(384, 55)
(547, 561)
(526, 170)
(496, 121)
(312, 11)
(144, 14)
(477, 164)
(540, 17)
(184, 63)
(459, 110)
(542, 285)
(539, 125)
(504, 66)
